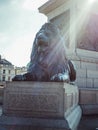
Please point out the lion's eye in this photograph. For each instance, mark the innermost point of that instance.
(47, 33)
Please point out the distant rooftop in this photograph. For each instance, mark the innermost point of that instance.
(4, 61)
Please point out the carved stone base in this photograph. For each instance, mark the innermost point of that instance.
(48, 104)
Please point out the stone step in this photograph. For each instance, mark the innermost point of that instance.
(89, 123)
(24, 123)
(22, 128)
(17, 123)
(86, 123)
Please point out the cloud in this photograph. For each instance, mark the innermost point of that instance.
(4, 2)
(33, 4)
(19, 52)
(3, 38)
(28, 4)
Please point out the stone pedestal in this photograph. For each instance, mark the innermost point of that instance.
(89, 101)
(49, 105)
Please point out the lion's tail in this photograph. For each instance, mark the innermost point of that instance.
(72, 71)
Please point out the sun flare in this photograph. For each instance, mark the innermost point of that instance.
(92, 1)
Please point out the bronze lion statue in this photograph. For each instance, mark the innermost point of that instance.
(48, 58)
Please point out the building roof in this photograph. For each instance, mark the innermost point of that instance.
(5, 62)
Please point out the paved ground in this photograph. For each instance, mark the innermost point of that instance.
(89, 123)
(86, 123)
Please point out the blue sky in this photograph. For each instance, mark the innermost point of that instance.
(19, 22)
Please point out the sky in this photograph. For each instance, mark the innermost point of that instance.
(19, 23)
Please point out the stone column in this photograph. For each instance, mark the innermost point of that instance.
(73, 28)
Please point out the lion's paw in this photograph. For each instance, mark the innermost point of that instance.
(60, 77)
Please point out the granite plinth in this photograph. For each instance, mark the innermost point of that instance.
(39, 99)
(43, 102)
(89, 100)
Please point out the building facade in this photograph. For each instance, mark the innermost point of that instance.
(20, 70)
(7, 71)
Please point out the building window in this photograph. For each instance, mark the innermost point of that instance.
(3, 71)
(3, 78)
(9, 71)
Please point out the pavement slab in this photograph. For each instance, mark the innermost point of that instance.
(89, 122)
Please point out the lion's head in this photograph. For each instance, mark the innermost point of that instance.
(48, 44)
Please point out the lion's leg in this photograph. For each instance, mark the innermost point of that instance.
(61, 77)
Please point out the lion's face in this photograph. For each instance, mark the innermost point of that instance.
(42, 41)
(46, 38)
(48, 46)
